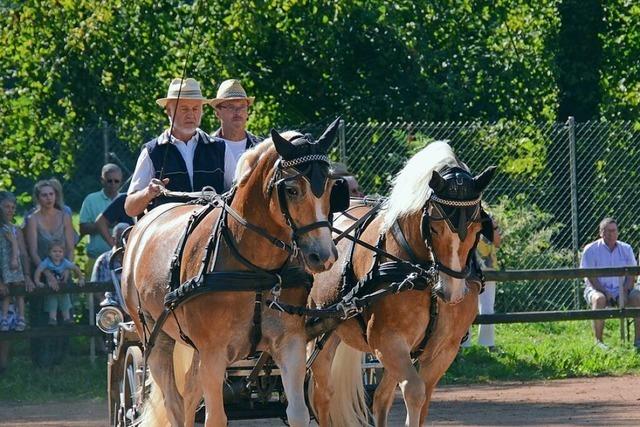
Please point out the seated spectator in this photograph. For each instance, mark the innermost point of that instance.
(599, 292)
(57, 264)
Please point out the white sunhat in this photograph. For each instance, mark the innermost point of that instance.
(189, 89)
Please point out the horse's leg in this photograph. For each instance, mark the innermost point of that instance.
(290, 357)
(211, 373)
(431, 370)
(186, 363)
(161, 366)
(394, 355)
(383, 398)
(322, 388)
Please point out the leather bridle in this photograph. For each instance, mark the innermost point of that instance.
(280, 180)
(437, 204)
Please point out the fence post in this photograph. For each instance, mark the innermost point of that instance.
(342, 144)
(571, 127)
(105, 141)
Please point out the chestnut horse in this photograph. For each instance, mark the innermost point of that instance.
(431, 219)
(278, 212)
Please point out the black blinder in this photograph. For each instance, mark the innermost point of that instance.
(340, 198)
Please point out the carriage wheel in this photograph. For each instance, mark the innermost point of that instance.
(131, 387)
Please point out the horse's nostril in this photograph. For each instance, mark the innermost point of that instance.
(314, 259)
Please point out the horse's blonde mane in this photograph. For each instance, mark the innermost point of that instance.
(411, 188)
(250, 158)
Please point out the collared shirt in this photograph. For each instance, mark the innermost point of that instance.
(598, 255)
(144, 172)
(92, 206)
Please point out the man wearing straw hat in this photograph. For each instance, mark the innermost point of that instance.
(183, 158)
(232, 109)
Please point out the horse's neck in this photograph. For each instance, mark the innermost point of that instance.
(411, 229)
(253, 206)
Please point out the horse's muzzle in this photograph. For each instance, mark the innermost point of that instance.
(318, 258)
(446, 295)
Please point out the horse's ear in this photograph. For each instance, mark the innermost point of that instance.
(481, 181)
(437, 183)
(283, 147)
(329, 135)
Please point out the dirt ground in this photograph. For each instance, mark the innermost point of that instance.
(602, 401)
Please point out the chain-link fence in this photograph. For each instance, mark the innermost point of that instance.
(555, 182)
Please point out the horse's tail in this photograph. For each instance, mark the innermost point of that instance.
(349, 401)
(154, 413)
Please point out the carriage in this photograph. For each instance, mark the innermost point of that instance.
(248, 393)
(254, 387)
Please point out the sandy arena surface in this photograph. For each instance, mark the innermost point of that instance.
(602, 401)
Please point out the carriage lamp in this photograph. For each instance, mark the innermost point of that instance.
(108, 319)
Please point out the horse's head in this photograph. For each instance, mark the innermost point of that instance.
(451, 226)
(303, 189)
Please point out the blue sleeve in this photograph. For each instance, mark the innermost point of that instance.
(587, 258)
(67, 265)
(45, 264)
(631, 257)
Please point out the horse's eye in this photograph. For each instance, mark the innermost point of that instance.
(292, 191)
(433, 230)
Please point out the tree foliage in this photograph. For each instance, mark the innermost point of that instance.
(67, 65)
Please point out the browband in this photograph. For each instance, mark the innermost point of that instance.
(304, 159)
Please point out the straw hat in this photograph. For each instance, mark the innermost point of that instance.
(189, 89)
(230, 90)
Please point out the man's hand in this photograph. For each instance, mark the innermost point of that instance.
(156, 187)
(4, 290)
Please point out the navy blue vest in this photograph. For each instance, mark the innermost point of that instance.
(208, 166)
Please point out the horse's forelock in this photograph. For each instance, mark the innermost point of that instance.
(411, 185)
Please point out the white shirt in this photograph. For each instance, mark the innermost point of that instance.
(233, 151)
(145, 171)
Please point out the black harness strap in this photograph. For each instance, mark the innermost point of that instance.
(398, 235)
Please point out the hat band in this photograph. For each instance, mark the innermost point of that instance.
(184, 93)
(234, 95)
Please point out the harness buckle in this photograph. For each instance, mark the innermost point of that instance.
(295, 250)
(407, 284)
(349, 309)
(277, 289)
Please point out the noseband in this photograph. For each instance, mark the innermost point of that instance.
(438, 204)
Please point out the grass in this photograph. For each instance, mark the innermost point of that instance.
(537, 351)
(75, 378)
(528, 352)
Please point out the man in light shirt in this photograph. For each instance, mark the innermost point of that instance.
(599, 292)
(184, 158)
(232, 109)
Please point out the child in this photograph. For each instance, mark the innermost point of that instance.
(12, 269)
(59, 266)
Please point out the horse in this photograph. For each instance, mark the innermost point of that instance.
(275, 216)
(432, 218)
